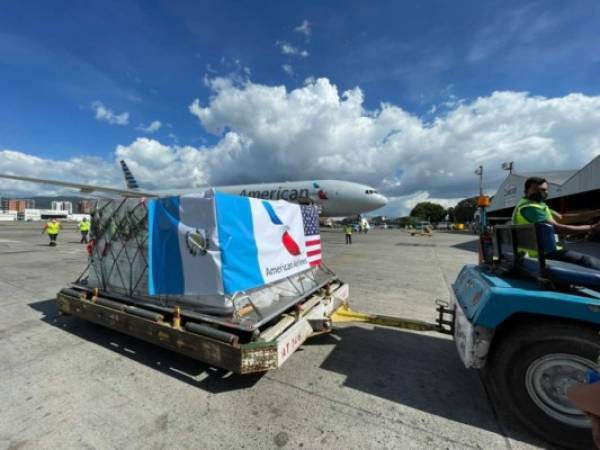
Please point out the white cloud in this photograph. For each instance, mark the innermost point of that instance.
(287, 68)
(270, 133)
(153, 127)
(304, 28)
(513, 31)
(81, 169)
(290, 50)
(134, 98)
(157, 165)
(106, 115)
(314, 131)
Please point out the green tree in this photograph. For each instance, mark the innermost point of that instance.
(407, 220)
(450, 213)
(429, 211)
(465, 209)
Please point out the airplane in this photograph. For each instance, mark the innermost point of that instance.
(335, 198)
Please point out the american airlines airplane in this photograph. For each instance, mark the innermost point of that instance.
(335, 198)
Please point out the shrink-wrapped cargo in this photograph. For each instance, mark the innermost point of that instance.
(213, 253)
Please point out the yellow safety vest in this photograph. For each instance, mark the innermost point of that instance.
(347, 230)
(52, 228)
(520, 219)
(84, 226)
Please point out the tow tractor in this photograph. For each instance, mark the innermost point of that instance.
(531, 326)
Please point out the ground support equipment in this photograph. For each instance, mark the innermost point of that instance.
(213, 340)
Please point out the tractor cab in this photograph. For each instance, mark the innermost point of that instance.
(523, 250)
(532, 325)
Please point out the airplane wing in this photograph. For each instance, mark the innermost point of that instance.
(84, 188)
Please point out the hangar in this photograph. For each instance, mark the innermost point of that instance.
(575, 193)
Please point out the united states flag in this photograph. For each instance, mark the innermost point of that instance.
(312, 236)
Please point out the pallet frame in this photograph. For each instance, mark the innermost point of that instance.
(311, 316)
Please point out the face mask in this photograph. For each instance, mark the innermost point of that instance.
(538, 196)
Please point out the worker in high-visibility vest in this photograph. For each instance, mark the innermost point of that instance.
(532, 209)
(348, 233)
(84, 228)
(52, 228)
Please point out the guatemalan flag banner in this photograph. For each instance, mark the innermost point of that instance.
(222, 244)
(183, 246)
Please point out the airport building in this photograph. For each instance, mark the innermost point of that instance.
(42, 214)
(16, 204)
(13, 209)
(8, 216)
(570, 191)
(62, 206)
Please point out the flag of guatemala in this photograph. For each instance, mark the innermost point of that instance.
(183, 247)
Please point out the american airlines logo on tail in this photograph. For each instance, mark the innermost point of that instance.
(129, 178)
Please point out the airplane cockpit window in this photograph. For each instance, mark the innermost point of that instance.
(370, 191)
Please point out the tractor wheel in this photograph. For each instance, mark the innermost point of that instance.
(530, 372)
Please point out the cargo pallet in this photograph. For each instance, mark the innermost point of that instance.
(186, 333)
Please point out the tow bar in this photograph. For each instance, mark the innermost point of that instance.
(444, 322)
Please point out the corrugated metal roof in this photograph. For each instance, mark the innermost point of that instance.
(586, 179)
(553, 176)
(562, 183)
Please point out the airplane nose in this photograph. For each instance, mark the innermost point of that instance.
(381, 200)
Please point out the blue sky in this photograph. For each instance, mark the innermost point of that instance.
(149, 58)
(148, 61)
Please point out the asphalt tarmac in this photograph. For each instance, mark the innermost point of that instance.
(66, 383)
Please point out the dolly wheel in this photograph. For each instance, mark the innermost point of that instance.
(530, 372)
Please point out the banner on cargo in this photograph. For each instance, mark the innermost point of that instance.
(222, 244)
(183, 247)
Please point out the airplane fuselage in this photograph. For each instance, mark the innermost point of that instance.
(335, 198)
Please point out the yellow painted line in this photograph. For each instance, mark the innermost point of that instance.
(346, 315)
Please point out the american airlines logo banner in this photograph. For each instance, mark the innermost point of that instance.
(224, 244)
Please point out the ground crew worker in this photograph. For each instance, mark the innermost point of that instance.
(532, 209)
(348, 233)
(363, 227)
(52, 228)
(84, 228)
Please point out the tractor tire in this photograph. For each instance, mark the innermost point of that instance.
(531, 368)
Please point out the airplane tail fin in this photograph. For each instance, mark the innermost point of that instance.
(129, 178)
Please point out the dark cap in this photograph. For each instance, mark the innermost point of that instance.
(534, 180)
